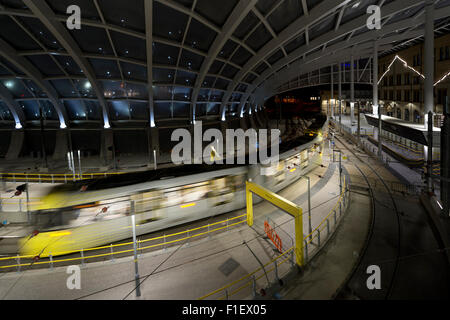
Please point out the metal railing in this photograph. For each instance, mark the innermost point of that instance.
(53, 178)
(328, 224)
(114, 250)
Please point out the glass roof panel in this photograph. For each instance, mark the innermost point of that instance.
(259, 38)
(16, 36)
(215, 10)
(76, 109)
(45, 64)
(228, 49)
(119, 110)
(249, 22)
(64, 88)
(92, 40)
(87, 7)
(17, 89)
(133, 71)
(165, 54)
(105, 68)
(185, 78)
(129, 47)
(168, 23)
(264, 6)
(139, 110)
(129, 14)
(285, 14)
(162, 93)
(241, 56)
(200, 36)
(216, 67)
(190, 60)
(165, 76)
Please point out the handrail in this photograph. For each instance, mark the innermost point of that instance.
(128, 243)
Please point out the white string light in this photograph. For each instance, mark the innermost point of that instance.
(405, 64)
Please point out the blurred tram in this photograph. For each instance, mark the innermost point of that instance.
(93, 213)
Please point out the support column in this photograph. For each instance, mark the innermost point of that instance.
(352, 90)
(155, 151)
(332, 92)
(61, 146)
(429, 61)
(375, 78)
(15, 146)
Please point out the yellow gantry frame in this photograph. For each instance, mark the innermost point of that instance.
(285, 205)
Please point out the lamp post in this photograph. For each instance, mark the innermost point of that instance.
(136, 265)
(309, 204)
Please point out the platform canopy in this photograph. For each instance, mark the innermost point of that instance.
(149, 62)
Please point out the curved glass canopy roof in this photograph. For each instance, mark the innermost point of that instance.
(151, 61)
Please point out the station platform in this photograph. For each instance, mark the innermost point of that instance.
(194, 268)
(405, 174)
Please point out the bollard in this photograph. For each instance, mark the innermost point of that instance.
(254, 287)
(187, 244)
(227, 225)
(20, 205)
(112, 253)
(18, 263)
(226, 294)
(82, 257)
(164, 243)
(51, 261)
(292, 258)
(209, 235)
(328, 227)
(65, 178)
(340, 209)
(306, 251)
(277, 278)
(318, 238)
(139, 248)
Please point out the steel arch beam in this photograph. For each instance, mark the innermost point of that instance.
(389, 10)
(234, 20)
(46, 15)
(13, 105)
(34, 74)
(148, 7)
(298, 26)
(311, 64)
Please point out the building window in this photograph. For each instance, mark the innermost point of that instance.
(399, 79)
(407, 79)
(391, 95)
(416, 80)
(441, 53)
(416, 116)
(442, 96)
(407, 96)
(399, 113)
(447, 53)
(399, 95)
(391, 80)
(416, 97)
(406, 114)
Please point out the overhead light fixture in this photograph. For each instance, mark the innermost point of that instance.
(356, 5)
(18, 125)
(9, 84)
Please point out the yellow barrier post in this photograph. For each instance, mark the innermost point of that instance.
(285, 205)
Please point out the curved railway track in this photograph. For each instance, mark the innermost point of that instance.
(401, 242)
(377, 210)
